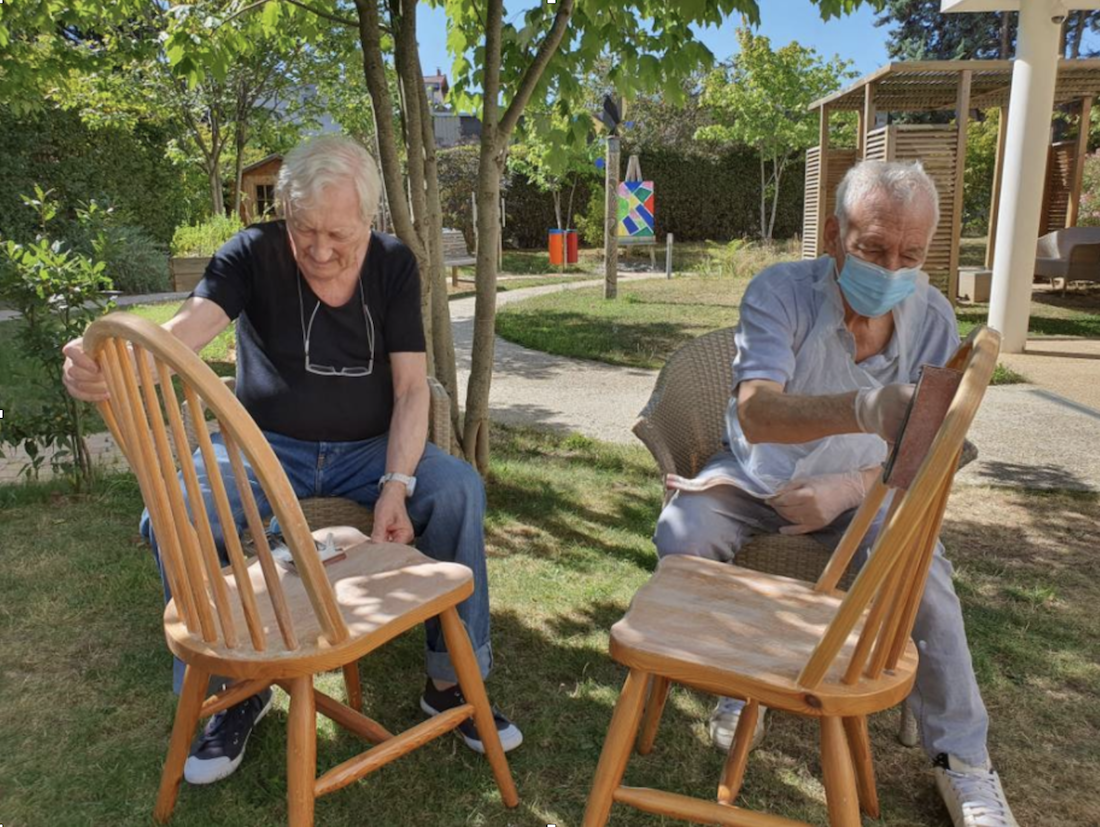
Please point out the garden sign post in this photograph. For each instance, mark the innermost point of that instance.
(611, 221)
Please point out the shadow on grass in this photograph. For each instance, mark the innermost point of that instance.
(627, 342)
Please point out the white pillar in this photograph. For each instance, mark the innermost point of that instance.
(1033, 75)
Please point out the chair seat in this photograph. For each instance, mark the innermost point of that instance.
(734, 631)
(382, 589)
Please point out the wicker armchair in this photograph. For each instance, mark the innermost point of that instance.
(682, 425)
(337, 510)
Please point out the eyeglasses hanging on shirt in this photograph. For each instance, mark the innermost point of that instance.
(327, 370)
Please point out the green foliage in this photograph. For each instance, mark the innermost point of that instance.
(134, 261)
(919, 31)
(590, 223)
(126, 167)
(58, 292)
(206, 237)
(1089, 215)
(981, 160)
(548, 157)
(457, 182)
(762, 101)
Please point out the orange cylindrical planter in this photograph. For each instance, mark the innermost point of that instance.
(557, 247)
(571, 254)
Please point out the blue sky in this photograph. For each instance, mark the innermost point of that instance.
(854, 37)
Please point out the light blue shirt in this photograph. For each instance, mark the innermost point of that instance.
(780, 307)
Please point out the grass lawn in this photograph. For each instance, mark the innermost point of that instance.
(86, 709)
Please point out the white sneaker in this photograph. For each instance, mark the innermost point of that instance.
(973, 795)
(723, 723)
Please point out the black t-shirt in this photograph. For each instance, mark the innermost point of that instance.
(256, 281)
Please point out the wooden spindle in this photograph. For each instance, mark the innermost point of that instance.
(275, 591)
(204, 531)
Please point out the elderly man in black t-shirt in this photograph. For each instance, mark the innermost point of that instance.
(331, 365)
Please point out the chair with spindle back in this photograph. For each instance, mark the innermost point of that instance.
(808, 649)
(257, 622)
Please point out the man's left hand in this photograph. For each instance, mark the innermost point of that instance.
(814, 502)
(391, 518)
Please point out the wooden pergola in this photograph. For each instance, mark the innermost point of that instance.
(959, 86)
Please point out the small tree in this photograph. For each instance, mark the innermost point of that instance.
(551, 158)
(58, 292)
(762, 100)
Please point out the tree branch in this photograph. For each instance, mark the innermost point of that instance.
(335, 18)
(533, 73)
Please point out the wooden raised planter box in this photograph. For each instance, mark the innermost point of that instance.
(187, 272)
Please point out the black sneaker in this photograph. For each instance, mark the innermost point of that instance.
(219, 750)
(434, 701)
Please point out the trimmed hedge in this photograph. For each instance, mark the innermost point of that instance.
(126, 168)
(698, 198)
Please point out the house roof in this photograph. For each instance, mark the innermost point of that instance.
(928, 85)
(274, 156)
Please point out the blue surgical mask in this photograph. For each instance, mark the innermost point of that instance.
(872, 290)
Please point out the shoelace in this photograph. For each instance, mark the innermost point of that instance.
(213, 732)
(981, 798)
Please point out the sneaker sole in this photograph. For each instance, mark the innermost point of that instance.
(226, 770)
(509, 739)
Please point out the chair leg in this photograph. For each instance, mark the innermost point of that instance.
(733, 773)
(190, 701)
(908, 731)
(354, 688)
(859, 744)
(616, 749)
(840, 782)
(658, 694)
(473, 689)
(301, 752)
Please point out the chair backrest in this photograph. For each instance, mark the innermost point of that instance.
(454, 244)
(138, 359)
(1059, 243)
(887, 592)
(684, 421)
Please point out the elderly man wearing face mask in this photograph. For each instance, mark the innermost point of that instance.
(331, 364)
(827, 354)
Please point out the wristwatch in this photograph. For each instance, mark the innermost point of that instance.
(410, 482)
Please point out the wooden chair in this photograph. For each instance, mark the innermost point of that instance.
(683, 424)
(807, 649)
(256, 622)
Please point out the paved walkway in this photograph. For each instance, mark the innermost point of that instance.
(1041, 435)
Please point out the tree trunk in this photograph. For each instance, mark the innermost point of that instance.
(763, 201)
(1078, 33)
(1005, 40)
(557, 209)
(495, 131)
(217, 200)
(240, 141)
(777, 177)
(409, 80)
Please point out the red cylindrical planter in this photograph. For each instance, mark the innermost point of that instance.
(557, 247)
(571, 254)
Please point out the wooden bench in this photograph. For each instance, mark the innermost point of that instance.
(455, 254)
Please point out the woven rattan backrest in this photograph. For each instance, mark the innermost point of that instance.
(139, 360)
(888, 589)
(687, 410)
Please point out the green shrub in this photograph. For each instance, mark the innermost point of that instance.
(457, 180)
(590, 220)
(206, 238)
(134, 261)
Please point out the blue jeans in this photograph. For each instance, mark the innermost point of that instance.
(447, 512)
(945, 699)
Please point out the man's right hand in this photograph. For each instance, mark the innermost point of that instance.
(882, 410)
(82, 376)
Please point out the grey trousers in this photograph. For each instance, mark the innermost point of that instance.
(945, 699)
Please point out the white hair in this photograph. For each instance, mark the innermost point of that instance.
(903, 183)
(322, 162)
